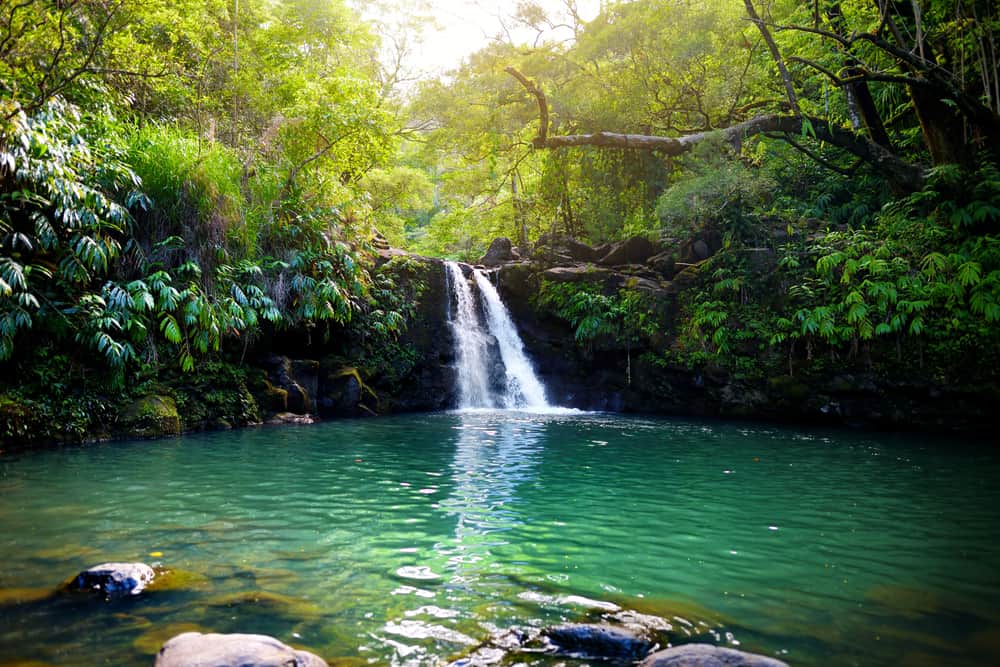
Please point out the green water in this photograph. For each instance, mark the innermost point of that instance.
(405, 540)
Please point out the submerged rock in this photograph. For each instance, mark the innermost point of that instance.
(114, 579)
(607, 643)
(194, 649)
(707, 655)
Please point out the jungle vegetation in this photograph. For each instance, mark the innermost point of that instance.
(180, 178)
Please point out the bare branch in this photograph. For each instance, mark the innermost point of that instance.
(543, 105)
(816, 157)
(773, 47)
(907, 175)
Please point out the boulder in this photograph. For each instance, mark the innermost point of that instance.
(152, 416)
(707, 655)
(500, 252)
(580, 252)
(590, 641)
(565, 249)
(343, 393)
(271, 398)
(298, 378)
(663, 263)
(686, 276)
(114, 580)
(194, 649)
(571, 274)
(290, 418)
(635, 250)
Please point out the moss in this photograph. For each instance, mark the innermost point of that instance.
(215, 392)
(267, 603)
(21, 596)
(788, 387)
(351, 372)
(151, 416)
(178, 580)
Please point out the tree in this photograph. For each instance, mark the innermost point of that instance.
(941, 97)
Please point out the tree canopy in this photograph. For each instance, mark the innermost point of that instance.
(179, 177)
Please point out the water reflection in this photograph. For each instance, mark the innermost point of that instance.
(495, 454)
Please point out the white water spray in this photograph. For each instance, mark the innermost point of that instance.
(522, 388)
(471, 344)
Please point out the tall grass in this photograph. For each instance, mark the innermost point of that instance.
(197, 194)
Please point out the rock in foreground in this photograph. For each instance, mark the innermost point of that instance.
(707, 655)
(194, 649)
(582, 640)
(114, 579)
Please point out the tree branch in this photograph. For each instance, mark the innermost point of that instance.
(907, 175)
(773, 47)
(816, 157)
(543, 105)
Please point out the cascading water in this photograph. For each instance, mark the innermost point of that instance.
(522, 388)
(471, 344)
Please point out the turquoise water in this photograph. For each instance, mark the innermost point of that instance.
(405, 540)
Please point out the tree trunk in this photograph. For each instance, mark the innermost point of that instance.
(942, 127)
(858, 89)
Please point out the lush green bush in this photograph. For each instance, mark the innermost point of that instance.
(166, 284)
(922, 280)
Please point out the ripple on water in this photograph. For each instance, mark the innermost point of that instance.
(400, 540)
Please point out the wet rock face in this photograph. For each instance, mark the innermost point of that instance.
(194, 649)
(114, 580)
(298, 379)
(707, 655)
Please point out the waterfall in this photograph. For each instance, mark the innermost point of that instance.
(524, 389)
(471, 344)
(474, 349)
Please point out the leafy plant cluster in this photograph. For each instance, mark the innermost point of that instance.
(918, 286)
(620, 319)
(181, 179)
(85, 256)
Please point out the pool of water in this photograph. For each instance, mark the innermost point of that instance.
(406, 540)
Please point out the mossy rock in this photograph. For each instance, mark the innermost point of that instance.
(149, 643)
(271, 398)
(151, 416)
(179, 580)
(788, 387)
(268, 603)
(20, 596)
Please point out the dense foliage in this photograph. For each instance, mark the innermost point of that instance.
(181, 179)
(868, 233)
